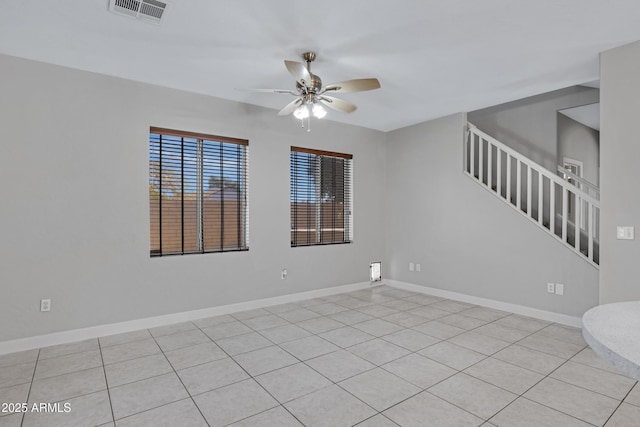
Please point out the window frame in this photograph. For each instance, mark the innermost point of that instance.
(206, 143)
(347, 198)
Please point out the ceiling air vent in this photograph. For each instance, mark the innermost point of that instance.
(148, 10)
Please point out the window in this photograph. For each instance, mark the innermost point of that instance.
(197, 193)
(320, 197)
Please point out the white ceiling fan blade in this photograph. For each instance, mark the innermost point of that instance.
(299, 72)
(290, 107)
(355, 85)
(268, 91)
(338, 104)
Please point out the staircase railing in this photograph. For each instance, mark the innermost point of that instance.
(580, 182)
(563, 210)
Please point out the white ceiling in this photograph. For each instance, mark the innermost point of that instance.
(588, 115)
(432, 58)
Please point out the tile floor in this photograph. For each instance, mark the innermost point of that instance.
(375, 357)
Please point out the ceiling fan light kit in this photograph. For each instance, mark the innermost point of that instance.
(311, 94)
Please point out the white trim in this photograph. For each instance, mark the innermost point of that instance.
(167, 319)
(549, 316)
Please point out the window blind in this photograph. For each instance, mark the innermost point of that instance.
(197, 193)
(320, 197)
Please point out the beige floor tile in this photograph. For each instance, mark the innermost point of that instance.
(439, 330)
(308, 348)
(419, 370)
(634, 396)
(330, 308)
(64, 349)
(528, 324)
(504, 375)
(88, 410)
(586, 405)
(563, 333)
(329, 407)
(500, 332)
(226, 330)
(281, 308)
(13, 420)
(590, 358)
(339, 365)
(400, 304)
(480, 343)
(147, 394)
(350, 317)
(526, 413)
(607, 383)
(124, 338)
(346, 337)
(377, 421)
(282, 334)
(563, 349)
(378, 327)
(16, 393)
(428, 312)
(473, 395)
(377, 310)
(265, 322)
(276, 417)
(130, 350)
(405, 319)
(415, 412)
(379, 388)
(527, 358)
(265, 360)
(183, 413)
(16, 374)
(137, 369)
(320, 325)
(410, 339)
(298, 315)
(243, 343)
(182, 340)
(378, 351)
(250, 314)
(213, 321)
(196, 355)
(625, 416)
(66, 364)
(212, 375)
(19, 358)
(67, 386)
(452, 306)
(452, 355)
(234, 402)
(483, 313)
(292, 382)
(172, 329)
(463, 322)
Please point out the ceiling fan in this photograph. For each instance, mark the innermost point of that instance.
(311, 94)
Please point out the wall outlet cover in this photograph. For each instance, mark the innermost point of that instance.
(559, 289)
(551, 288)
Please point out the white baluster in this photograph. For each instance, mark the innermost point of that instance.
(540, 197)
(518, 184)
(489, 164)
(529, 188)
(565, 210)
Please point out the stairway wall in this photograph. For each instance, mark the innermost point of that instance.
(465, 239)
(529, 125)
(619, 173)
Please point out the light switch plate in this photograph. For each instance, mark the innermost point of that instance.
(559, 289)
(625, 232)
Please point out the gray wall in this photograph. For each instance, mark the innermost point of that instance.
(466, 240)
(529, 125)
(74, 218)
(579, 142)
(619, 172)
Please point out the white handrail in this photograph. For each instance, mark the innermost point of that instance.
(581, 180)
(579, 211)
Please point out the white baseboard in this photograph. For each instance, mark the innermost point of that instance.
(497, 305)
(151, 322)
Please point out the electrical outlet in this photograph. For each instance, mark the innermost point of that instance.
(412, 266)
(551, 288)
(45, 305)
(559, 289)
(283, 273)
(418, 268)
